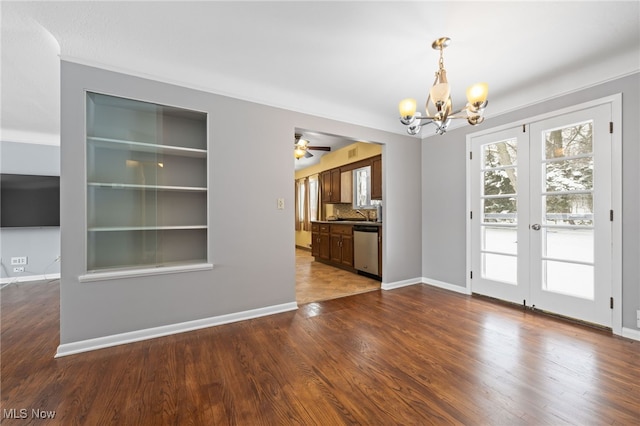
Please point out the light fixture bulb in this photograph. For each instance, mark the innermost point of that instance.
(440, 93)
(407, 108)
(477, 94)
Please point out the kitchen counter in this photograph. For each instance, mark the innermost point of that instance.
(348, 222)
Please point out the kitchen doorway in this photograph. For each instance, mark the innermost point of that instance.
(320, 280)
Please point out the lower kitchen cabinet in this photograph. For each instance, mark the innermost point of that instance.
(320, 245)
(341, 237)
(333, 244)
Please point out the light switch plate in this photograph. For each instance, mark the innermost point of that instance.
(280, 203)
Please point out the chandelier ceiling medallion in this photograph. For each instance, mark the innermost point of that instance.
(440, 96)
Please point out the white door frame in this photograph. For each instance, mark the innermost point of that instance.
(616, 193)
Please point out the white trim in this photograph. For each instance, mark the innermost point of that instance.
(398, 284)
(29, 278)
(630, 333)
(616, 206)
(132, 273)
(446, 286)
(546, 115)
(166, 330)
(23, 136)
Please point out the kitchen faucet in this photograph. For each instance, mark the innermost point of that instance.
(363, 215)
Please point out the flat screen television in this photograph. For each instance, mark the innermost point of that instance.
(29, 201)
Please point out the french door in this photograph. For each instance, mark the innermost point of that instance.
(541, 229)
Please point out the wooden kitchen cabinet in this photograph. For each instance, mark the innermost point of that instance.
(341, 244)
(331, 182)
(320, 241)
(376, 178)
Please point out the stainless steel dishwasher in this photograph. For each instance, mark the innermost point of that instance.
(365, 248)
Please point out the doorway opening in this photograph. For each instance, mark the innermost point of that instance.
(326, 213)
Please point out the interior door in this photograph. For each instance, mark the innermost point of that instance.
(542, 198)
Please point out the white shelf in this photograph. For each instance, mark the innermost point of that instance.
(144, 228)
(148, 147)
(117, 274)
(156, 187)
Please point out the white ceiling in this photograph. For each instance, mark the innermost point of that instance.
(350, 61)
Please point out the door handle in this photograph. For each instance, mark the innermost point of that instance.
(535, 227)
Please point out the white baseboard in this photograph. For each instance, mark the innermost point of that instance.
(398, 284)
(446, 286)
(630, 333)
(152, 333)
(29, 278)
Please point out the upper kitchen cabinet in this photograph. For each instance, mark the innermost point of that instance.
(146, 184)
(331, 181)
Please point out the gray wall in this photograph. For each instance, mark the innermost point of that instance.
(40, 245)
(444, 190)
(251, 242)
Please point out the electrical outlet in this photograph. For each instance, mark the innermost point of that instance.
(280, 203)
(22, 260)
(18, 269)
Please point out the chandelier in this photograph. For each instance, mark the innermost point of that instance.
(440, 96)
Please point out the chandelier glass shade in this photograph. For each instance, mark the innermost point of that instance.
(438, 108)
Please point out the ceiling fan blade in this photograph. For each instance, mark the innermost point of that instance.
(319, 148)
(307, 154)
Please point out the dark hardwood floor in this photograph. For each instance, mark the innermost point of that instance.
(415, 355)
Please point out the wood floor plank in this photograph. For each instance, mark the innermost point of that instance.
(415, 355)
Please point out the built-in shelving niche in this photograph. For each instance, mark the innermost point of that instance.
(146, 184)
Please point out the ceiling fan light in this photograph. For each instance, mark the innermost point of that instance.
(298, 153)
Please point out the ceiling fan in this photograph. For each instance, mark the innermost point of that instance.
(301, 148)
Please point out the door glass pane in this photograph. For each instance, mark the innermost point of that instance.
(500, 154)
(569, 141)
(500, 239)
(500, 210)
(500, 181)
(499, 267)
(569, 209)
(569, 175)
(569, 244)
(569, 278)
(499, 205)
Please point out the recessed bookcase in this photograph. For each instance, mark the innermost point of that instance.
(146, 184)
